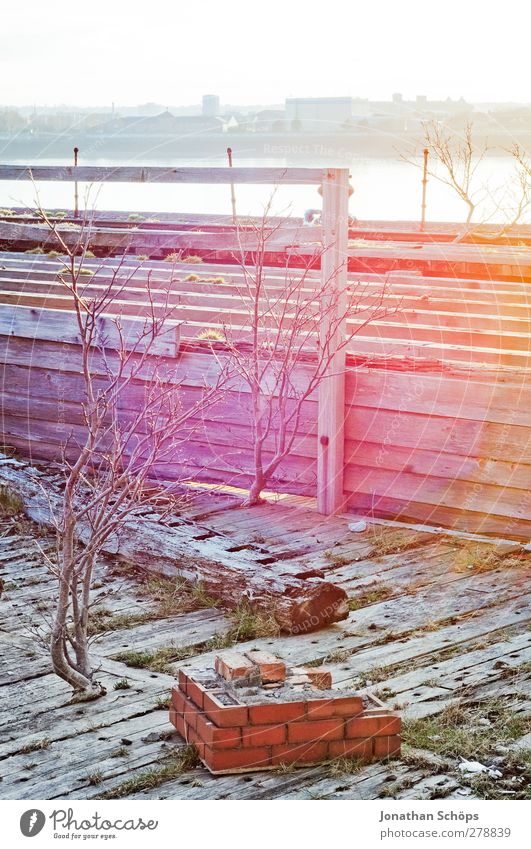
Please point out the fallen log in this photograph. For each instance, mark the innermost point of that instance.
(299, 604)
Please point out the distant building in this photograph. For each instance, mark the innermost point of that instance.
(314, 114)
(210, 106)
(166, 124)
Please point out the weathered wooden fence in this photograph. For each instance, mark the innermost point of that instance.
(428, 420)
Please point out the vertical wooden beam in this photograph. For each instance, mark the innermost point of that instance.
(331, 408)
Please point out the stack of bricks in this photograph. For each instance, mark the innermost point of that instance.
(252, 713)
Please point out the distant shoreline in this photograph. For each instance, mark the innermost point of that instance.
(326, 149)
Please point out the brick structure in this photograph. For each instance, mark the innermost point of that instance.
(251, 713)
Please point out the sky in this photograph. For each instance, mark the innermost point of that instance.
(171, 53)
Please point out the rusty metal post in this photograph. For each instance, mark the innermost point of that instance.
(76, 193)
(424, 184)
(232, 192)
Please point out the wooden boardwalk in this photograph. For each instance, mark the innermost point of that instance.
(438, 623)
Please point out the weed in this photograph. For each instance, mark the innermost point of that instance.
(171, 767)
(122, 684)
(95, 777)
(37, 250)
(36, 746)
(370, 597)
(192, 259)
(212, 334)
(11, 503)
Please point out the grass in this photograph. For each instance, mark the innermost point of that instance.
(479, 557)
(163, 703)
(193, 259)
(344, 766)
(122, 684)
(370, 597)
(171, 767)
(455, 732)
(121, 752)
(172, 596)
(37, 250)
(36, 746)
(212, 334)
(54, 254)
(337, 558)
(11, 503)
(385, 542)
(246, 625)
(135, 216)
(173, 257)
(95, 778)
(192, 278)
(142, 257)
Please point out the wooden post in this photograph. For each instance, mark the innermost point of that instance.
(331, 409)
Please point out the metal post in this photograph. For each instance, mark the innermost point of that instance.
(424, 184)
(331, 400)
(232, 193)
(76, 194)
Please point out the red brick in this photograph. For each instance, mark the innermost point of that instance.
(231, 665)
(386, 747)
(264, 735)
(195, 692)
(218, 738)
(320, 678)
(177, 719)
(233, 760)
(322, 729)
(224, 716)
(373, 726)
(304, 754)
(351, 749)
(178, 699)
(340, 706)
(185, 707)
(269, 714)
(191, 736)
(183, 681)
(272, 669)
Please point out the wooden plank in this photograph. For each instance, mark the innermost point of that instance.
(331, 407)
(60, 326)
(158, 174)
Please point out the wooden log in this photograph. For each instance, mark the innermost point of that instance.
(299, 605)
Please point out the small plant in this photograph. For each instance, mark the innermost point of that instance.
(173, 257)
(36, 746)
(192, 258)
(344, 766)
(135, 216)
(53, 254)
(171, 767)
(192, 278)
(122, 684)
(10, 502)
(37, 250)
(163, 703)
(212, 334)
(370, 597)
(122, 752)
(95, 777)
(87, 272)
(142, 257)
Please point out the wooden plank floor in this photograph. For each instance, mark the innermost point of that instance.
(437, 623)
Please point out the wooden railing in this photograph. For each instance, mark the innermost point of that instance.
(334, 235)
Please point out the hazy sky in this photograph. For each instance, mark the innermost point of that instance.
(248, 52)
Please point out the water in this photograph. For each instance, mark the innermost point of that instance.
(384, 188)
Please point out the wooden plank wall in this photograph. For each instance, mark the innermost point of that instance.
(437, 429)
